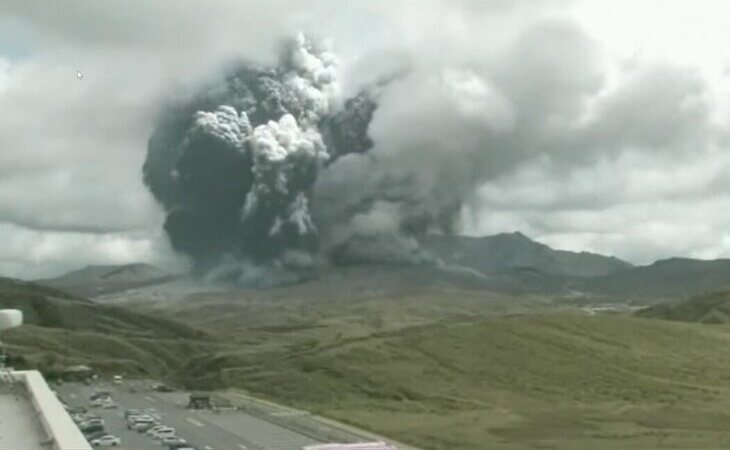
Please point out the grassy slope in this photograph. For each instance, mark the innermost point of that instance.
(543, 381)
(712, 307)
(64, 329)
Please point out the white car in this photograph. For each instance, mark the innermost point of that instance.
(138, 417)
(92, 421)
(155, 429)
(163, 433)
(109, 404)
(172, 440)
(106, 441)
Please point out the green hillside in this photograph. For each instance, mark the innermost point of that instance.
(562, 381)
(707, 308)
(62, 329)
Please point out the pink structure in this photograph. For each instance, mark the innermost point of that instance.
(358, 446)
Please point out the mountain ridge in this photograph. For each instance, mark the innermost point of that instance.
(505, 251)
(506, 262)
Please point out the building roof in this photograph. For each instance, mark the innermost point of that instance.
(19, 428)
(32, 417)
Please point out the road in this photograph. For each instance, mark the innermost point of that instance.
(227, 430)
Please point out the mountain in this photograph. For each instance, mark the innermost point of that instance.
(508, 262)
(515, 251)
(707, 308)
(99, 280)
(675, 277)
(61, 328)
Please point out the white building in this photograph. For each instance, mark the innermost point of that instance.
(31, 416)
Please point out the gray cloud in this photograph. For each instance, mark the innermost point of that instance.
(508, 119)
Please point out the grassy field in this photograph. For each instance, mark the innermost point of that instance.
(61, 329)
(549, 381)
(445, 368)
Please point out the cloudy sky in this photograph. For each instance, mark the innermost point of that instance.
(598, 125)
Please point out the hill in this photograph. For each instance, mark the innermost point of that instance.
(509, 383)
(707, 308)
(61, 329)
(98, 280)
(675, 277)
(509, 251)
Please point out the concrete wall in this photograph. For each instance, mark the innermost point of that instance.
(56, 422)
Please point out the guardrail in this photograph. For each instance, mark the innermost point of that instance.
(61, 430)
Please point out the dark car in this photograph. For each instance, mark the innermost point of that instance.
(131, 412)
(100, 394)
(96, 434)
(93, 428)
(77, 410)
(163, 388)
(181, 446)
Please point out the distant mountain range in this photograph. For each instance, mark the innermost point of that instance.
(674, 277)
(537, 267)
(515, 251)
(99, 280)
(707, 308)
(508, 262)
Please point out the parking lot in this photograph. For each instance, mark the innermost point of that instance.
(207, 430)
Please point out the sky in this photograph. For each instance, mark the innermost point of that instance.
(597, 125)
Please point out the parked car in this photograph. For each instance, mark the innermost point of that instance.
(181, 446)
(91, 429)
(138, 418)
(109, 404)
(97, 402)
(172, 440)
(100, 394)
(141, 427)
(162, 388)
(131, 412)
(106, 441)
(156, 428)
(94, 435)
(92, 421)
(134, 421)
(117, 379)
(163, 432)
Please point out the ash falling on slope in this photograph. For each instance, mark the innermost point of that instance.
(271, 169)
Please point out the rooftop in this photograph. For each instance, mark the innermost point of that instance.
(19, 428)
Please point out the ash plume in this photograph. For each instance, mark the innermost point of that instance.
(235, 166)
(271, 168)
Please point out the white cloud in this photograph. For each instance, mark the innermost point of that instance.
(34, 254)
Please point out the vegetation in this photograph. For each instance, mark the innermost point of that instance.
(440, 368)
(61, 329)
(533, 381)
(713, 307)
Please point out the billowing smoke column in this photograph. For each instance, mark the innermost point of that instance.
(235, 166)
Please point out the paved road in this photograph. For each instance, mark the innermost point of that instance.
(232, 430)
